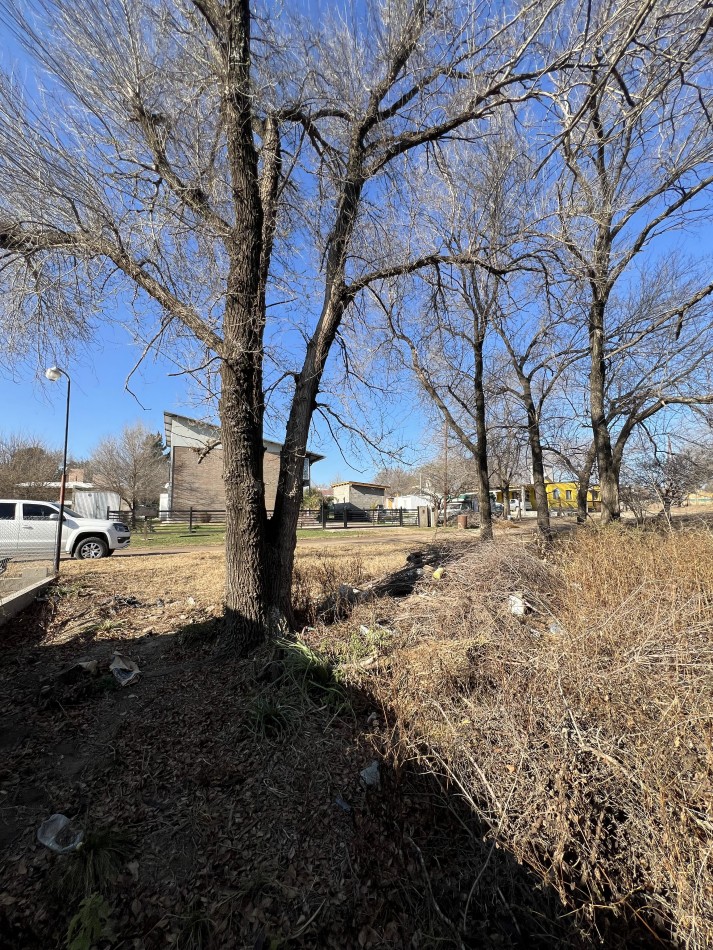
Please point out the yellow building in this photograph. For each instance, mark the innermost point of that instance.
(561, 496)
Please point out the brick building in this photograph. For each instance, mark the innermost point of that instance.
(359, 496)
(197, 482)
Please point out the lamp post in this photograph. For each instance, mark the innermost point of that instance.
(53, 374)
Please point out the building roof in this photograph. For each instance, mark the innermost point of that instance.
(212, 431)
(360, 484)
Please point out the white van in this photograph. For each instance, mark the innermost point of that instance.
(29, 529)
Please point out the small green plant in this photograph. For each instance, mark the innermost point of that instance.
(67, 590)
(313, 675)
(90, 924)
(95, 865)
(270, 719)
(110, 624)
(364, 643)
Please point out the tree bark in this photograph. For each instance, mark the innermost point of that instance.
(481, 457)
(241, 403)
(584, 476)
(505, 486)
(538, 465)
(608, 481)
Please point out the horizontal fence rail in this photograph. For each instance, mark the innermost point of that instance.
(340, 517)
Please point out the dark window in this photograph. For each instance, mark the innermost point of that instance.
(568, 495)
(39, 513)
(7, 510)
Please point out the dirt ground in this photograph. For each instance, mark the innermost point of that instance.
(221, 799)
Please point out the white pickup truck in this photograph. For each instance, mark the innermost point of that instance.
(29, 529)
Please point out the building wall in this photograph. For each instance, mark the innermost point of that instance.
(340, 494)
(361, 496)
(200, 485)
(271, 473)
(197, 485)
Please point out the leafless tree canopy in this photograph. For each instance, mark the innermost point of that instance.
(27, 464)
(132, 464)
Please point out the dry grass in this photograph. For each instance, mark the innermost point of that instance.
(581, 733)
(201, 574)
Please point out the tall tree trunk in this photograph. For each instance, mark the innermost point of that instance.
(246, 617)
(582, 506)
(584, 476)
(282, 531)
(481, 458)
(608, 480)
(505, 486)
(538, 465)
(241, 402)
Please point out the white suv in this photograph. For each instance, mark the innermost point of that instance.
(29, 529)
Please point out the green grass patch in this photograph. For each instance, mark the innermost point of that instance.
(178, 535)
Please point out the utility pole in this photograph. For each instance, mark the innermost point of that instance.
(445, 470)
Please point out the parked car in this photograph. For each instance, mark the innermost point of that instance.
(29, 529)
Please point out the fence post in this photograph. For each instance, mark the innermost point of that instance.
(108, 510)
(344, 516)
(401, 517)
(324, 516)
(190, 520)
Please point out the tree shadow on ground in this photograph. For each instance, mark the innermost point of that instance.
(238, 784)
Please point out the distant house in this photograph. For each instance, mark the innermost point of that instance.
(359, 496)
(81, 496)
(196, 465)
(410, 502)
(561, 496)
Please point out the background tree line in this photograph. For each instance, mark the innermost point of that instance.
(133, 464)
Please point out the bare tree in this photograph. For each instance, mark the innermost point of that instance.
(445, 342)
(160, 160)
(132, 464)
(659, 471)
(670, 367)
(446, 477)
(400, 480)
(27, 465)
(636, 144)
(507, 442)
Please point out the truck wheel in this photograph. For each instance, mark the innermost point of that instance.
(91, 548)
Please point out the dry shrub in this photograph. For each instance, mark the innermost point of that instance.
(318, 578)
(581, 732)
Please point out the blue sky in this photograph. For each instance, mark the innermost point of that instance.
(100, 405)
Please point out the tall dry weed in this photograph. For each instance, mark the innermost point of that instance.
(582, 732)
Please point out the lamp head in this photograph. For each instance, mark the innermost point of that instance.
(53, 373)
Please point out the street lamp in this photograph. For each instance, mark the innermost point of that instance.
(53, 374)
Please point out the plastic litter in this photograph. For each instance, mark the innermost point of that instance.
(517, 605)
(125, 671)
(438, 574)
(371, 776)
(57, 834)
